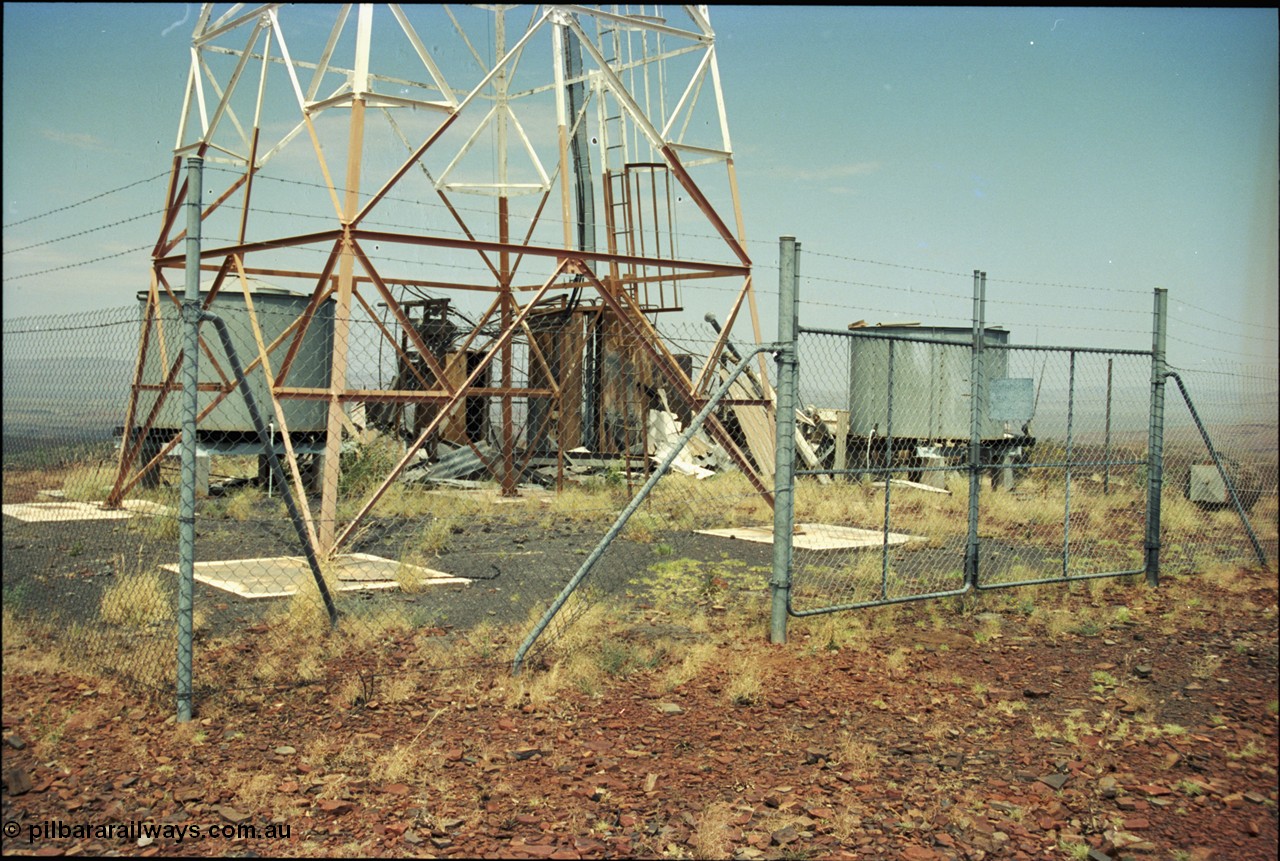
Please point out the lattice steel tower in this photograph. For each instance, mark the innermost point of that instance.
(494, 201)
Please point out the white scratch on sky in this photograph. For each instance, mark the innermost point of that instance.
(186, 13)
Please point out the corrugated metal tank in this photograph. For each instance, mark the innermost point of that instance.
(930, 381)
(276, 309)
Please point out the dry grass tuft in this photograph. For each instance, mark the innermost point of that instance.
(746, 680)
(857, 756)
(693, 661)
(711, 836)
(137, 599)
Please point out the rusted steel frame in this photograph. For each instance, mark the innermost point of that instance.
(391, 339)
(121, 487)
(671, 224)
(652, 342)
(235, 186)
(117, 492)
(537, 352)
(611, 238)
(125, 460)
(547, 251)
(404, 168)
(324, 166)
(426, 432)
(168, 289)
(508, 477)
(649, 279)
(176, 194)
(682, 176)
(555, 393)
(302, 393)
(742, 235)
(407, 325)
(460, 355)
(208, 303)
(528, 234)
(318, 296)
(129, 452)
(717, 350)
(331, 466)
(467, 230)
(360, 279)
(177, 261)
(248, 187)
(291, 456)
(172, 443)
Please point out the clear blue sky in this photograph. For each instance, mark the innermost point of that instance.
(1107, 152)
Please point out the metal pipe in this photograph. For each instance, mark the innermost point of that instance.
(1044, 581)
(191, 405)
(975, 425)
(785, 437)
(888, 476)
(1106, 474)
(1155, 436)
(1066, 495)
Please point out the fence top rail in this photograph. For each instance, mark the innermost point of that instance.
(898, 336)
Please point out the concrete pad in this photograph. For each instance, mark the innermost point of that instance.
(284, 576)
(817, 536)
(56, 512)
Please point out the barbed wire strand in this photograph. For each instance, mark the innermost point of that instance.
(86, 200)
(85, 232)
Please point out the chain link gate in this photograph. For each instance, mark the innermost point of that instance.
(904, 503)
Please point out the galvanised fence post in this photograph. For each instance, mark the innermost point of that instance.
(975, 426)
(190, 400)
(1155, 437)
(785, 448)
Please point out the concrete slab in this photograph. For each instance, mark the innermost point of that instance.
(817, 536)
(56, 512)
(284, 576)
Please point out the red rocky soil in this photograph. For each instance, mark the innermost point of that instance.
(936, 733)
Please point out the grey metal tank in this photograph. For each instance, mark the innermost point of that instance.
(276, 310)
(932, 366)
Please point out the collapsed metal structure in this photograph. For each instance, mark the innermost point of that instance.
(580, 129)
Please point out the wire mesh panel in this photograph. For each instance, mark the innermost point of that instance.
(1068, 494)
(881, 512)
(942, 468)
(429, 547)
(461, 476)
(1219, 449)
(83, 574)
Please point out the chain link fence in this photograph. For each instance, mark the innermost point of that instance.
(458, 523)
(441, 560)
(88, 578)
(1058, 459)
(1234, 405)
